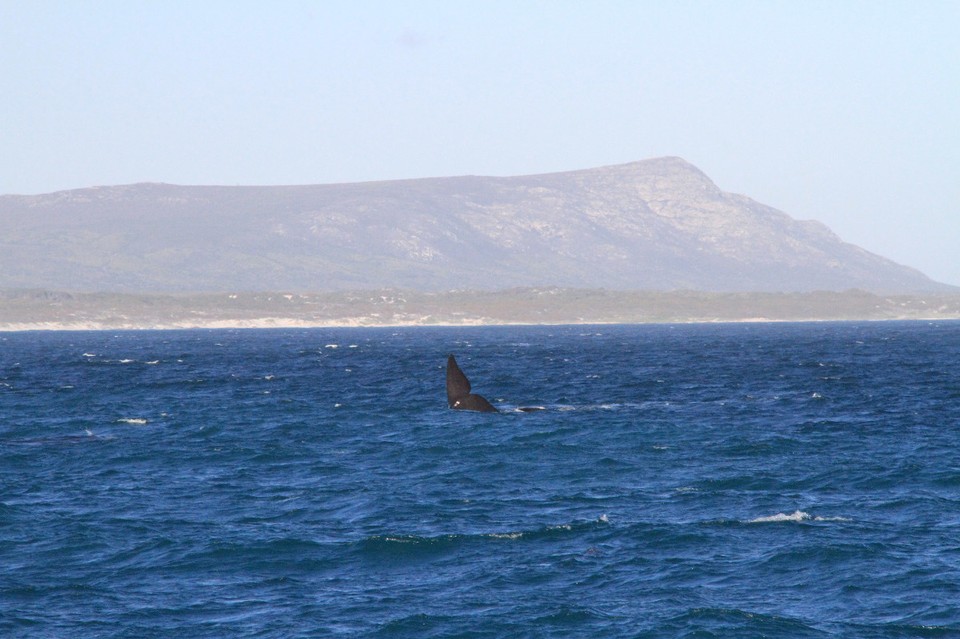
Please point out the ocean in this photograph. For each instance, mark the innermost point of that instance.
(709, 480)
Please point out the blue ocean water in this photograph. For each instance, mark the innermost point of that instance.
(742, 480)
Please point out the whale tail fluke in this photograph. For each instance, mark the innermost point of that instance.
(459, 396)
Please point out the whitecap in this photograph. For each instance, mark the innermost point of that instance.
(132, 420)
(332, 346)
(796, 516)
(527, 409)
(514, 535)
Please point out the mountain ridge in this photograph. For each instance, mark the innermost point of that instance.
(658, 224)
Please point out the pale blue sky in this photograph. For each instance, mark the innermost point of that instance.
(843, 112)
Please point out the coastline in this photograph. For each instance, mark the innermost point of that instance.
(259, 323)
(22, 311)
(281, 323)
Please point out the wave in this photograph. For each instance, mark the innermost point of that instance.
(55, 440)
(425, 545)
(93, 358)
(565, 408)
(735, 622)
(249, 552)
(796, 516)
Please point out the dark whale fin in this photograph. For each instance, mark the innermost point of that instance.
(458, 391)
(457, 383)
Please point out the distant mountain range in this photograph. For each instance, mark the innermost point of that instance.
(657, 224)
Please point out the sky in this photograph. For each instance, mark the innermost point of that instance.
(843, 112)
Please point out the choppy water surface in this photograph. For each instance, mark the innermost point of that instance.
(749, 480)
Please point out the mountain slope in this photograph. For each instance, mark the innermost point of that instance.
(657, 224)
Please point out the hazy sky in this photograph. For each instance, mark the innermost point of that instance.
(843, 112)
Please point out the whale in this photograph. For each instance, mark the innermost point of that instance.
(459, 396)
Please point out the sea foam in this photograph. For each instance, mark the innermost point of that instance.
(795, 516)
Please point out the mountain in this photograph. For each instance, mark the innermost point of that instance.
(658, 224)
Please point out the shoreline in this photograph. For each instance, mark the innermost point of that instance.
(40, 310)
(278, 323)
